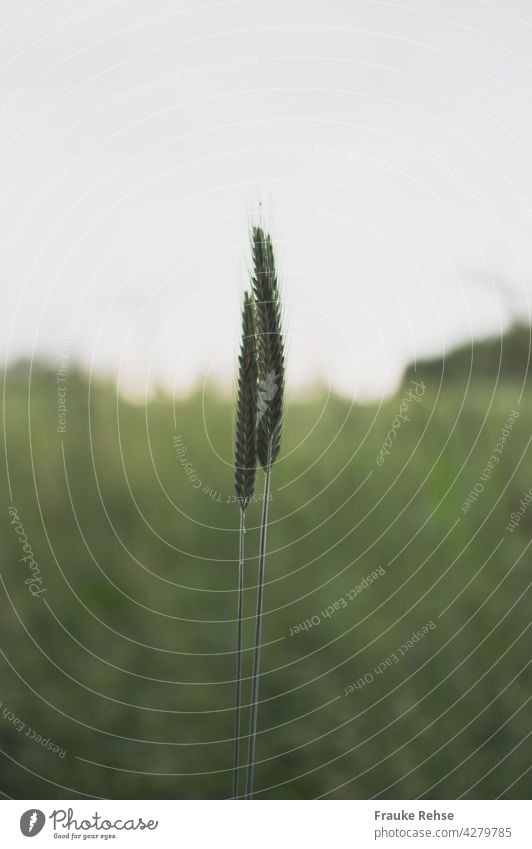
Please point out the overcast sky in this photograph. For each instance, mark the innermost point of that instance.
(390, 145)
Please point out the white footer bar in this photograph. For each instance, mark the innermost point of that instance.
(266, 824)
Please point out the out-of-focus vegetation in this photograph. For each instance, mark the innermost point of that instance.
(126, 661)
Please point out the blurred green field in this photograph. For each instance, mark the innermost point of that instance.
(126, 661)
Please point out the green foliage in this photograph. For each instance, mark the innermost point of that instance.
(127, 661)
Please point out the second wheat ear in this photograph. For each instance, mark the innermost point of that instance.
(245, 467)
(271, 373)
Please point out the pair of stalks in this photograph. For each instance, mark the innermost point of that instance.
(259, 415)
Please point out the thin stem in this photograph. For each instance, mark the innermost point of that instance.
(258, 630)
(238, 685)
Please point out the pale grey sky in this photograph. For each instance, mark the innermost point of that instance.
(390, 143)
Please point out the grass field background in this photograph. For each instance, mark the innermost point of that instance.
(126, 661)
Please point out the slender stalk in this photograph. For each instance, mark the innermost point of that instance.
(258, 631)
(238, 685)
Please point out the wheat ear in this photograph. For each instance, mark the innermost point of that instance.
(245, 466)
(269, 427)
